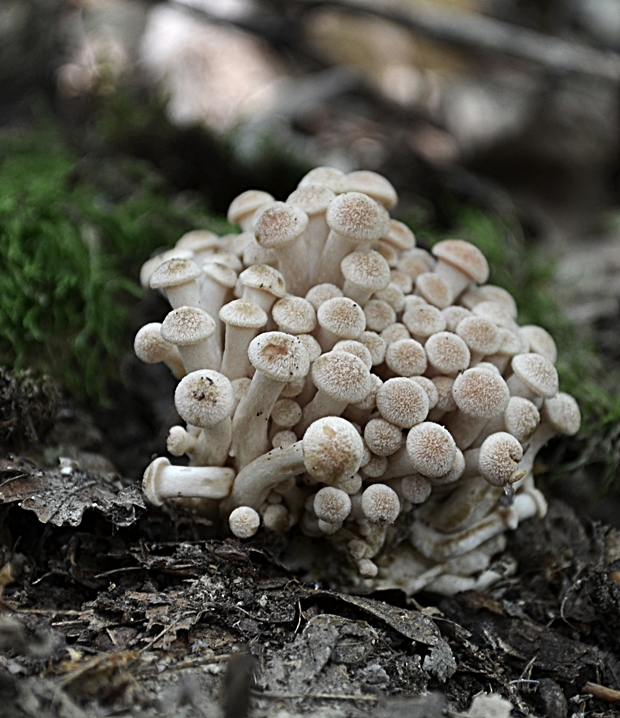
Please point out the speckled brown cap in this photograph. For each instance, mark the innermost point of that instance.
(280, 225)
(342, 376)
(356, 217)
(374, 185)
(402, 402)
(186, 326)
(204, 398)
(294, 315)
(244, 206)
(480, 393)
(332, 449)
(447, 353)
(281, 357)
(174, 272)
(537, 373)
(431, 449)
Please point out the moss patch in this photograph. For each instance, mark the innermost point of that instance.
(73, 233)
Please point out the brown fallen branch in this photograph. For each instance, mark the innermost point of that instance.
(478, 33)
(609, 695)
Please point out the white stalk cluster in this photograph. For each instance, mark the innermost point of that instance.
(337, 381)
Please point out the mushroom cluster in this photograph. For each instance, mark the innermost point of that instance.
(337, 381)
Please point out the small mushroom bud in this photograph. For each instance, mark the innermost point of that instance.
(205, 398)
(192, 331)
(379, 315)
(151, 347)
(423, 321)
(374, 185)
(447, 354)
(243, 208)
(499, 458)
(534, 378)
(262, 284)
(332, 505)
(244, 522)
(364, 273)
(177, 279)
(380, 504)
(314, 201)
(280, 228)
(277, 358)
(243, 319)
(459, 264)
(339, 318)
(355, 221)
(480, 395)
(341, 378)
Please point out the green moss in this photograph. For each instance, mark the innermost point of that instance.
(520, 268)
(73, 234)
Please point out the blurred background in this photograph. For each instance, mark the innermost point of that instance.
(125, 123)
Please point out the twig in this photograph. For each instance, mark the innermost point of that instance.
(609, 695)
(317, 696)
(486, 35)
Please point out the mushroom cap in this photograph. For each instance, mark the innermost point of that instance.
(356, 348)
(447, 353)
(429, 388)
(204, 398)
(380, 504)
(399, 236)
(402, 402)
(265, 278)
(375, 467)
(416, 488)
(219, 272)
(343, 317)
(434, 289)
(376, 346)
(368, 270)
(453, 315)
(281, 357)
(313, 348)
(342, 376)
(286, 413)
(294, 315)
(187, 325)
(328, 176)
(537, 373)
(521, 418)
(423, 320)
(499, 458)
(480, 393)
(465, 257)
(244, 521)
(394, 333)
(393, 295)
(311, 198)
(496, 313)
(150, 480)
(321, 293)
(382, 437)
(489, 293)
(406, 357)
(280, 225)
(562, 413)
(416, 261)
(332, 505)
(174, 272)
(431, 449)
(332, 449)
(374, 185)
(149, 345)
(379, 315)
(246, 204)
(200, 239)
(244, 314)
(445, 398)
(480, 334)
(540, 341)
(356, 217)
(401, 280)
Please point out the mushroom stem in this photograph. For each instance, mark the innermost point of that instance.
(163, 481)
(250, 422)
